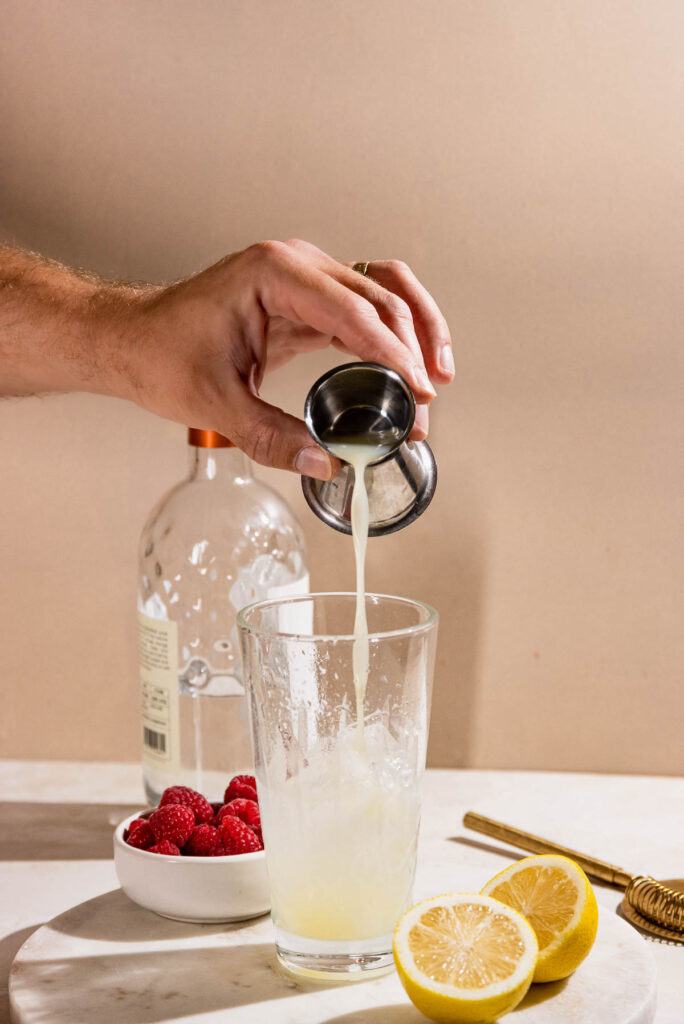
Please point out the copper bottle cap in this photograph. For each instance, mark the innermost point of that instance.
(208, 439)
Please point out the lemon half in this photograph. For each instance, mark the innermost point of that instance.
(555, 896)
(464, 957)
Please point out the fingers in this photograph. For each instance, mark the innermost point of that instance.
(419, 431)
(403, 304)
(303, 289)
(391, 308)
(430, 326)
(272, 437)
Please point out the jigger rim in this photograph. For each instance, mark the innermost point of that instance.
(394, 375)
(430, 622)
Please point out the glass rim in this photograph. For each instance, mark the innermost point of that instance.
(420, 627)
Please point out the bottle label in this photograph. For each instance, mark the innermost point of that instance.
(300, 586)
(158, 659)
(296, 617)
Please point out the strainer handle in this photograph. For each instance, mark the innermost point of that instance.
(525, 840)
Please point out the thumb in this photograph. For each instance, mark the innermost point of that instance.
(272, 437)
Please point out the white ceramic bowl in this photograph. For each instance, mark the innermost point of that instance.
(200, 889)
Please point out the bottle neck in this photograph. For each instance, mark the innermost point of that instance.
(218, 464)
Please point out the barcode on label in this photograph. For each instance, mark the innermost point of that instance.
(154, 740)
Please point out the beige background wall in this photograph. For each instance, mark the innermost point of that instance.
(527, 159)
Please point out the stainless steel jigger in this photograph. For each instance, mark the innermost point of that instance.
(369, 404)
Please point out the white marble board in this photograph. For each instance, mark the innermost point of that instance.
(107, 961)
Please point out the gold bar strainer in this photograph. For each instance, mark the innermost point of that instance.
(649, 904)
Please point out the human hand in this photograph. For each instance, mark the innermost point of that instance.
(202, 346)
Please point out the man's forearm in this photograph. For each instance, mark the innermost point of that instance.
(61, 330)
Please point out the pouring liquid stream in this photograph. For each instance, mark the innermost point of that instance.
(359, 453)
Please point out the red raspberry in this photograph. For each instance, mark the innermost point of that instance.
(173, 822)
(166, 847)
(229, 809)
(241, 786)
(245, 810)
(187, 797)
(136, 823)
(139, 834)
(237, 837)
(216, 807)
(218, 850)
(204, 842)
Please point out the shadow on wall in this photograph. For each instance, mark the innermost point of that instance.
(53, 225)
(459, 566)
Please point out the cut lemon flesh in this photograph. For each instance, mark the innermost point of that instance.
(464, 957)
(554, 895)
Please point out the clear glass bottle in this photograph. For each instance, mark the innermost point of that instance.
(217, 541)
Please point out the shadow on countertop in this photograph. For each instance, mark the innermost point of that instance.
(114, 918)
(9, 947)
(59, 831)
(108, 961)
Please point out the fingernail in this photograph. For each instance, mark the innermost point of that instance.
(446, 360)
(423, 381)
(421, 422)
(312, 461)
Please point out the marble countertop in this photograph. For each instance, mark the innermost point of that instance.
(57, 818)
